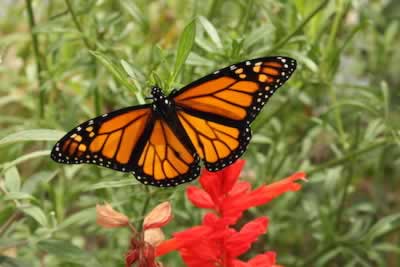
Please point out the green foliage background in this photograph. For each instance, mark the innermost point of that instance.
(338, 119)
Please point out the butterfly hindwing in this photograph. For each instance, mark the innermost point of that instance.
(109, 140)
(165, 159)
(237, 92)
(218, 142)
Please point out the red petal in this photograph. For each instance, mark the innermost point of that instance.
(240, 188)
(263, 260)
(240, 242)
(210, 219)
(211, 183)
(199, 198)
(192, 235)
(167, 246)
(231, 174)
(219, 225)
(263, 194)
(284, 185)
(239, 263)
(199, 256)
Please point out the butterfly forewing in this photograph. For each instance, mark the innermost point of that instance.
(237, 92)
(109, 140)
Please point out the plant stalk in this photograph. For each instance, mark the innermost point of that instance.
(36, 52)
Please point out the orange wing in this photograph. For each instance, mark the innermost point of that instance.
(165, 159)
(109, 140)
(237, 92)
(216, 110)
(217, 144)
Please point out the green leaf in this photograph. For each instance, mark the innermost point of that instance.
(36, 213)
(26, 157)
(18, 196)
(185, 45)
(12, 180)
(390, 33)
(387, 247)
(5, 100)
(67, 252)
(81, 217)
(197, 60)
(41, 177)
(128, 69)
(12, 262)
(115, 69)
(6, 243)
(211, 31)
(33, 135)
(261, 139)
(383, 226)
(111, 184)
(135, 12)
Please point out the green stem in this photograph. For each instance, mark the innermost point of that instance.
(349, 177)
(85, 39)
(300, 26)
(314, 257)
(346, 158)
(329, 69)
(78, 25)
(97, 96)
(341, 11)
(14, 217)
(245, 19)
(338, 118)
(213, 9)
(35, 44)
(145, 206)
(343, 200)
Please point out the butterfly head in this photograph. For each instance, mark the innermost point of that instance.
(157, 94)
(160, 101)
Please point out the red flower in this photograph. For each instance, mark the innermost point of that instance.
(215, 242)
(229, 197)
(267, 259)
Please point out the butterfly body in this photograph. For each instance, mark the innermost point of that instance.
(162, 143)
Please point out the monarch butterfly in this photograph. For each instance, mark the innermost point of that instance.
(162, 143)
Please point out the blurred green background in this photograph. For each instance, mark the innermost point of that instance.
(338, 119)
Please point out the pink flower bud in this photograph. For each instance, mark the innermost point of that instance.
(159, 216)
(154, 236)
(107, 217)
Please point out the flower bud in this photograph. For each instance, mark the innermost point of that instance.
(158, 217)
(107, 217)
